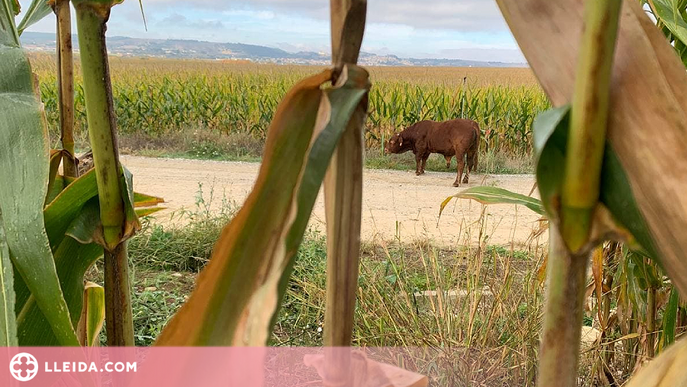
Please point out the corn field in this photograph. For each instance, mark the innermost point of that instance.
(156, 95)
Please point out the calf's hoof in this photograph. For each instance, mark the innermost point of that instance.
(418, 173)
(465, 180)
(456, 183)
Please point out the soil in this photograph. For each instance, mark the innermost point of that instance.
(396, 204)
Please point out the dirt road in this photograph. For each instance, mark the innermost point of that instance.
(394, 202)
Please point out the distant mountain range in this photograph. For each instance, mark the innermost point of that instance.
(196, 49)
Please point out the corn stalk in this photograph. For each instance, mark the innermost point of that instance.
(570, 247)
(65, 84)
(343, 199)
(585, 148)
(91, 17)
(647, 90)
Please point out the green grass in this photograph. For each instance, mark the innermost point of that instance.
(158, 294)
(188, 245)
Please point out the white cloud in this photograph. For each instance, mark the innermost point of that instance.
(459, 15)
(467, 29)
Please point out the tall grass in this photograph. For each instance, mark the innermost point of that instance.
(155, 96)
(473, 311)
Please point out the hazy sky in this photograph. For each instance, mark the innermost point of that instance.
(460, 29)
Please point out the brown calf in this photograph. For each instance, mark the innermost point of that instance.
(457, 137)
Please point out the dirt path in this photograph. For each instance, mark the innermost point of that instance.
(394, 202)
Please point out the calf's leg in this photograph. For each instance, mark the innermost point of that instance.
(418, 164)
(461, 166)
(448, 161)
(467, 173)
(469, 166)
(424, 162)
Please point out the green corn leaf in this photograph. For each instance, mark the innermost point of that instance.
(25, 173)
(616, 194)
(92, 315)
(73, 257)
(635, 294)
(68, 203)
(550, 132)
(8, 323)
(75, 247)
(72, 261)
(64, 208)
(38, 9)
(56, 187)
(144, 200)
(646, 270)
(669, 320)
(8, 33)
(55, 159)
(669, 14)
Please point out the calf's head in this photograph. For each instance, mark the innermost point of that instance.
(395, 144)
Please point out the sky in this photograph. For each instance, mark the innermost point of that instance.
(454, 29)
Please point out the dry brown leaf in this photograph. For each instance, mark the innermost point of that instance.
(648, 125)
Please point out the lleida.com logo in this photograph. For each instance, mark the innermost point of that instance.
(24, 367)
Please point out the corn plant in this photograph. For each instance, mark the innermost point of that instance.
(671, 16)
(238, 293)
(48, 220)
(593, 190)
(243, 99)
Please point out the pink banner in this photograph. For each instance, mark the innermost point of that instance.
(205, 366)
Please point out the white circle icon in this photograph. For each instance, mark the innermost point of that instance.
(23, 367)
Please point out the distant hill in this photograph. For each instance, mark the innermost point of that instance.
(196, 49)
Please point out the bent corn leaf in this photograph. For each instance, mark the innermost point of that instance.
(495, 195)
(344, 98)
(67, 204)
(38, 9)
(218, 310)
(238, 292)
(24, 173)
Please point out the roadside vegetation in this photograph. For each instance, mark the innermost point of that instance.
(474, 309)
